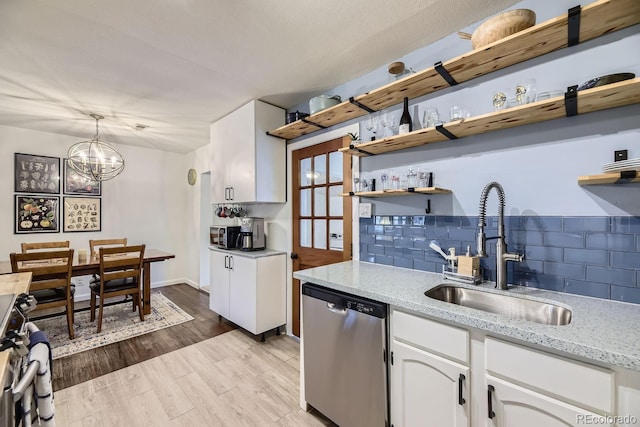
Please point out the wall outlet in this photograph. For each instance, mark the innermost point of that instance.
(365, 210)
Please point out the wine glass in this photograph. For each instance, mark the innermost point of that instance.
(384, 122)
(369, 125)
(356, 184)
(392, 124)
(375, 124)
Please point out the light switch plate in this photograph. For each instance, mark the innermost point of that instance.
(365, 210)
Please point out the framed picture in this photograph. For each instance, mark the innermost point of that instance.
(36, 174)
(36, 214)
(82, 214)
(75, 183)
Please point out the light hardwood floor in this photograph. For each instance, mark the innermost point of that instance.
(229, 380)
(81, 367)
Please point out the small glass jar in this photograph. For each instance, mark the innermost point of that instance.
(412, 178)
(385, 180)
(423, 178)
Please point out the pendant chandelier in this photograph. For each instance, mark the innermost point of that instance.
(94, 158)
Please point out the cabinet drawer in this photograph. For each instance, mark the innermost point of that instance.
(432, 336)
(579, 383)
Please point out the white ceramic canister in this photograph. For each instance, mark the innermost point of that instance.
(322, 102)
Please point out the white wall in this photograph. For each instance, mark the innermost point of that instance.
(147, 203)
(198, 160)
(205, 231)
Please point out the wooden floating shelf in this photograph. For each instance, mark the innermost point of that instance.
(404, 192)
(606, 178)
(599, 98)
(597, 19)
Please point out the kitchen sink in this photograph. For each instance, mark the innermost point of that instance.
(508, 305)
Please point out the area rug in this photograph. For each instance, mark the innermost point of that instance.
(118, 323)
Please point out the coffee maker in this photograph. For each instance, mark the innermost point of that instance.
(251, 236)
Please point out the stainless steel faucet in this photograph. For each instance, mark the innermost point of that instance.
(502, 256)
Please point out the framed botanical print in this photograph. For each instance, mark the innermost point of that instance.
(75, 183)
(82, 214)
(36, 174)
(36, 214)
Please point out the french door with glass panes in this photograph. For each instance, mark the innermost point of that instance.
(321, 216)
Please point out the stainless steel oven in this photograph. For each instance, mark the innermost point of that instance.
(19, 375)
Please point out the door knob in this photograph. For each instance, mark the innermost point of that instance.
(294, 255)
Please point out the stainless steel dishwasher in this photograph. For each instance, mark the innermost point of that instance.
(345, 356)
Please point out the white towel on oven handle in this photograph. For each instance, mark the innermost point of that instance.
(42, 388)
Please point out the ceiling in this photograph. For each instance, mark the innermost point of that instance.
(178, 65)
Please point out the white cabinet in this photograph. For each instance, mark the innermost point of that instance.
(219, 281)
(249, 291)
(427, 389)
(247, 165)
(512, 405)
(581, 384)
(430, 384)
(445, 375)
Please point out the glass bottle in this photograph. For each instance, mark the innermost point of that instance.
(405, 120)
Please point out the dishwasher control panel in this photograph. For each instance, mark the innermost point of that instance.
(359, 306)
(342, 300)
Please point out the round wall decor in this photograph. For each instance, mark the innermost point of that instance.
(191, 176)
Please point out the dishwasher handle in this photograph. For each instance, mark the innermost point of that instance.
(331, 306)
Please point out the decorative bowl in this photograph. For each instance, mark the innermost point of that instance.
(502, 25)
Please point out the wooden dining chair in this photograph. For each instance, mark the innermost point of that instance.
(30, 247)
(94, 245)
(120, 274)
(50, 280)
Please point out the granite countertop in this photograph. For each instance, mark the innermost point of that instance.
(248, 254)
(600, 330)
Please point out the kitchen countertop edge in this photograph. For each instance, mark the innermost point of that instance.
(597, 331)
(249, 254)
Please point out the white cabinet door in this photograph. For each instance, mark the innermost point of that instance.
(247, 165)
(271, 292)
(219, 296)
(240, 145)
(217, 163)
(426, 389)
(517, 406)
(270, 155)
(242, 292)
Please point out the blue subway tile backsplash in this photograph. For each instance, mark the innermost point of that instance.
(611, 276)
(592, 256)
(625, 224)
(622, 242)
(563, 240)
(586, 256)
(620, 293)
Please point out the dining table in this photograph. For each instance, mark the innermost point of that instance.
(92, 266)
